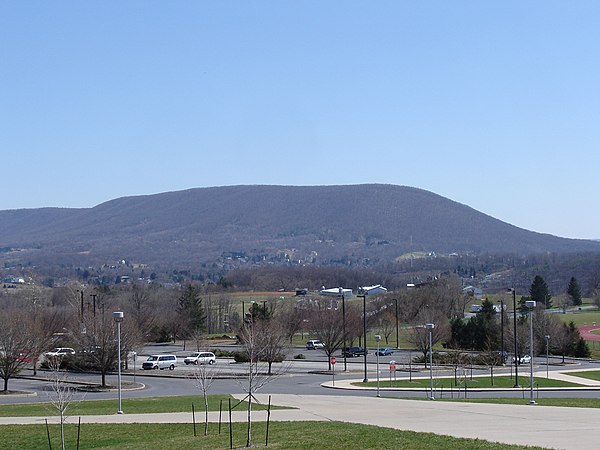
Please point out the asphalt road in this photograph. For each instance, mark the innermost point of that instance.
(303, 377)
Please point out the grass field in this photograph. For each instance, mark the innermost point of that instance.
(476, 382)
(130, 405)
(282, 435)
(590, 375)
(585, 317)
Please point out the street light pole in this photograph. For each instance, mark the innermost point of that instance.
(378, 338)
(118, 317)
(81, 308)
(514, 293)
(430, 327)
(547, 347)
(531, 306)
(345, 348)
(397, 332)
(364, 297)
(502, 354)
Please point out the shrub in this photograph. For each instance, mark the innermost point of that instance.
(241, 357)
(224, 353)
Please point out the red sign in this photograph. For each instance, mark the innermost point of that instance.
(332, 360)
(392, 366)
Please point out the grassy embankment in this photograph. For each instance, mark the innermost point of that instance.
(282, 435)
(130, 405)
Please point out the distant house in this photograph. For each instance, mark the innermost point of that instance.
(373, 290)
(336, 292)
(13, 280)
(473, 291)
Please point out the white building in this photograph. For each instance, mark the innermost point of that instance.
(373, 290)
(336, 292)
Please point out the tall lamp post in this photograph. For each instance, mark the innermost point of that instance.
(118, 317)
(364, 297)
(377, 339)
(530, 304)
(397, 332)
(430, 327)
(502, 354)
(345, 348)
(81, 308)
(547, 337)
(516, 358)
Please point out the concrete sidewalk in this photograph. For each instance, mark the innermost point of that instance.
(565, 375)
(551, 427)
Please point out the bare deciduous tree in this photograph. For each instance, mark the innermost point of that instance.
(273, 337)
(596, 297)
(61, 394)
(387, 325)
(97, 341)
(328, 327)
(253, 341)
(44, 322)
(203, 376)
(16, 344)
(140, 305)
(291, 317)
(563, 301)
(419, 335)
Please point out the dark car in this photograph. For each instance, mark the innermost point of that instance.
(385, 352)
(351, 352)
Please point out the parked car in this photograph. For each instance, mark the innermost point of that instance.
(160, 362)
(385, 352)
(25, 356)
(59, 352)
(314, 344)
(350, 352)
(503, 356)
(524, 359)
(200, 358)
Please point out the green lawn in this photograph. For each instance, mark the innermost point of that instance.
(130, 405)
(476, 382)
(590, 375)
(585, 317)
(282, 435)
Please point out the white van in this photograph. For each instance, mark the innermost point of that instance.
(314, 344)
(160, 362)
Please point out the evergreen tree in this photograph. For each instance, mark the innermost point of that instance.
(190, 307)
(539, 292)
(478, 332)
(258, 312)
(574, 291)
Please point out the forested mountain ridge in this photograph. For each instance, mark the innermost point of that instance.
(320, 225)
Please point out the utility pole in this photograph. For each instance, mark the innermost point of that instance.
(397, 332)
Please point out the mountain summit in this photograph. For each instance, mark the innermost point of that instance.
(316, 224)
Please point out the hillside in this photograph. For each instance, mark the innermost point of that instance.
(317, 224)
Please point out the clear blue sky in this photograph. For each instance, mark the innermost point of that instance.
(492, 104)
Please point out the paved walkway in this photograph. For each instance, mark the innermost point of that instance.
(551, 427)
(564, 375)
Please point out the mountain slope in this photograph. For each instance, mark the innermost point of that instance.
(378, 222)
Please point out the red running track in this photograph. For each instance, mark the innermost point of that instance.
(586, 332)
